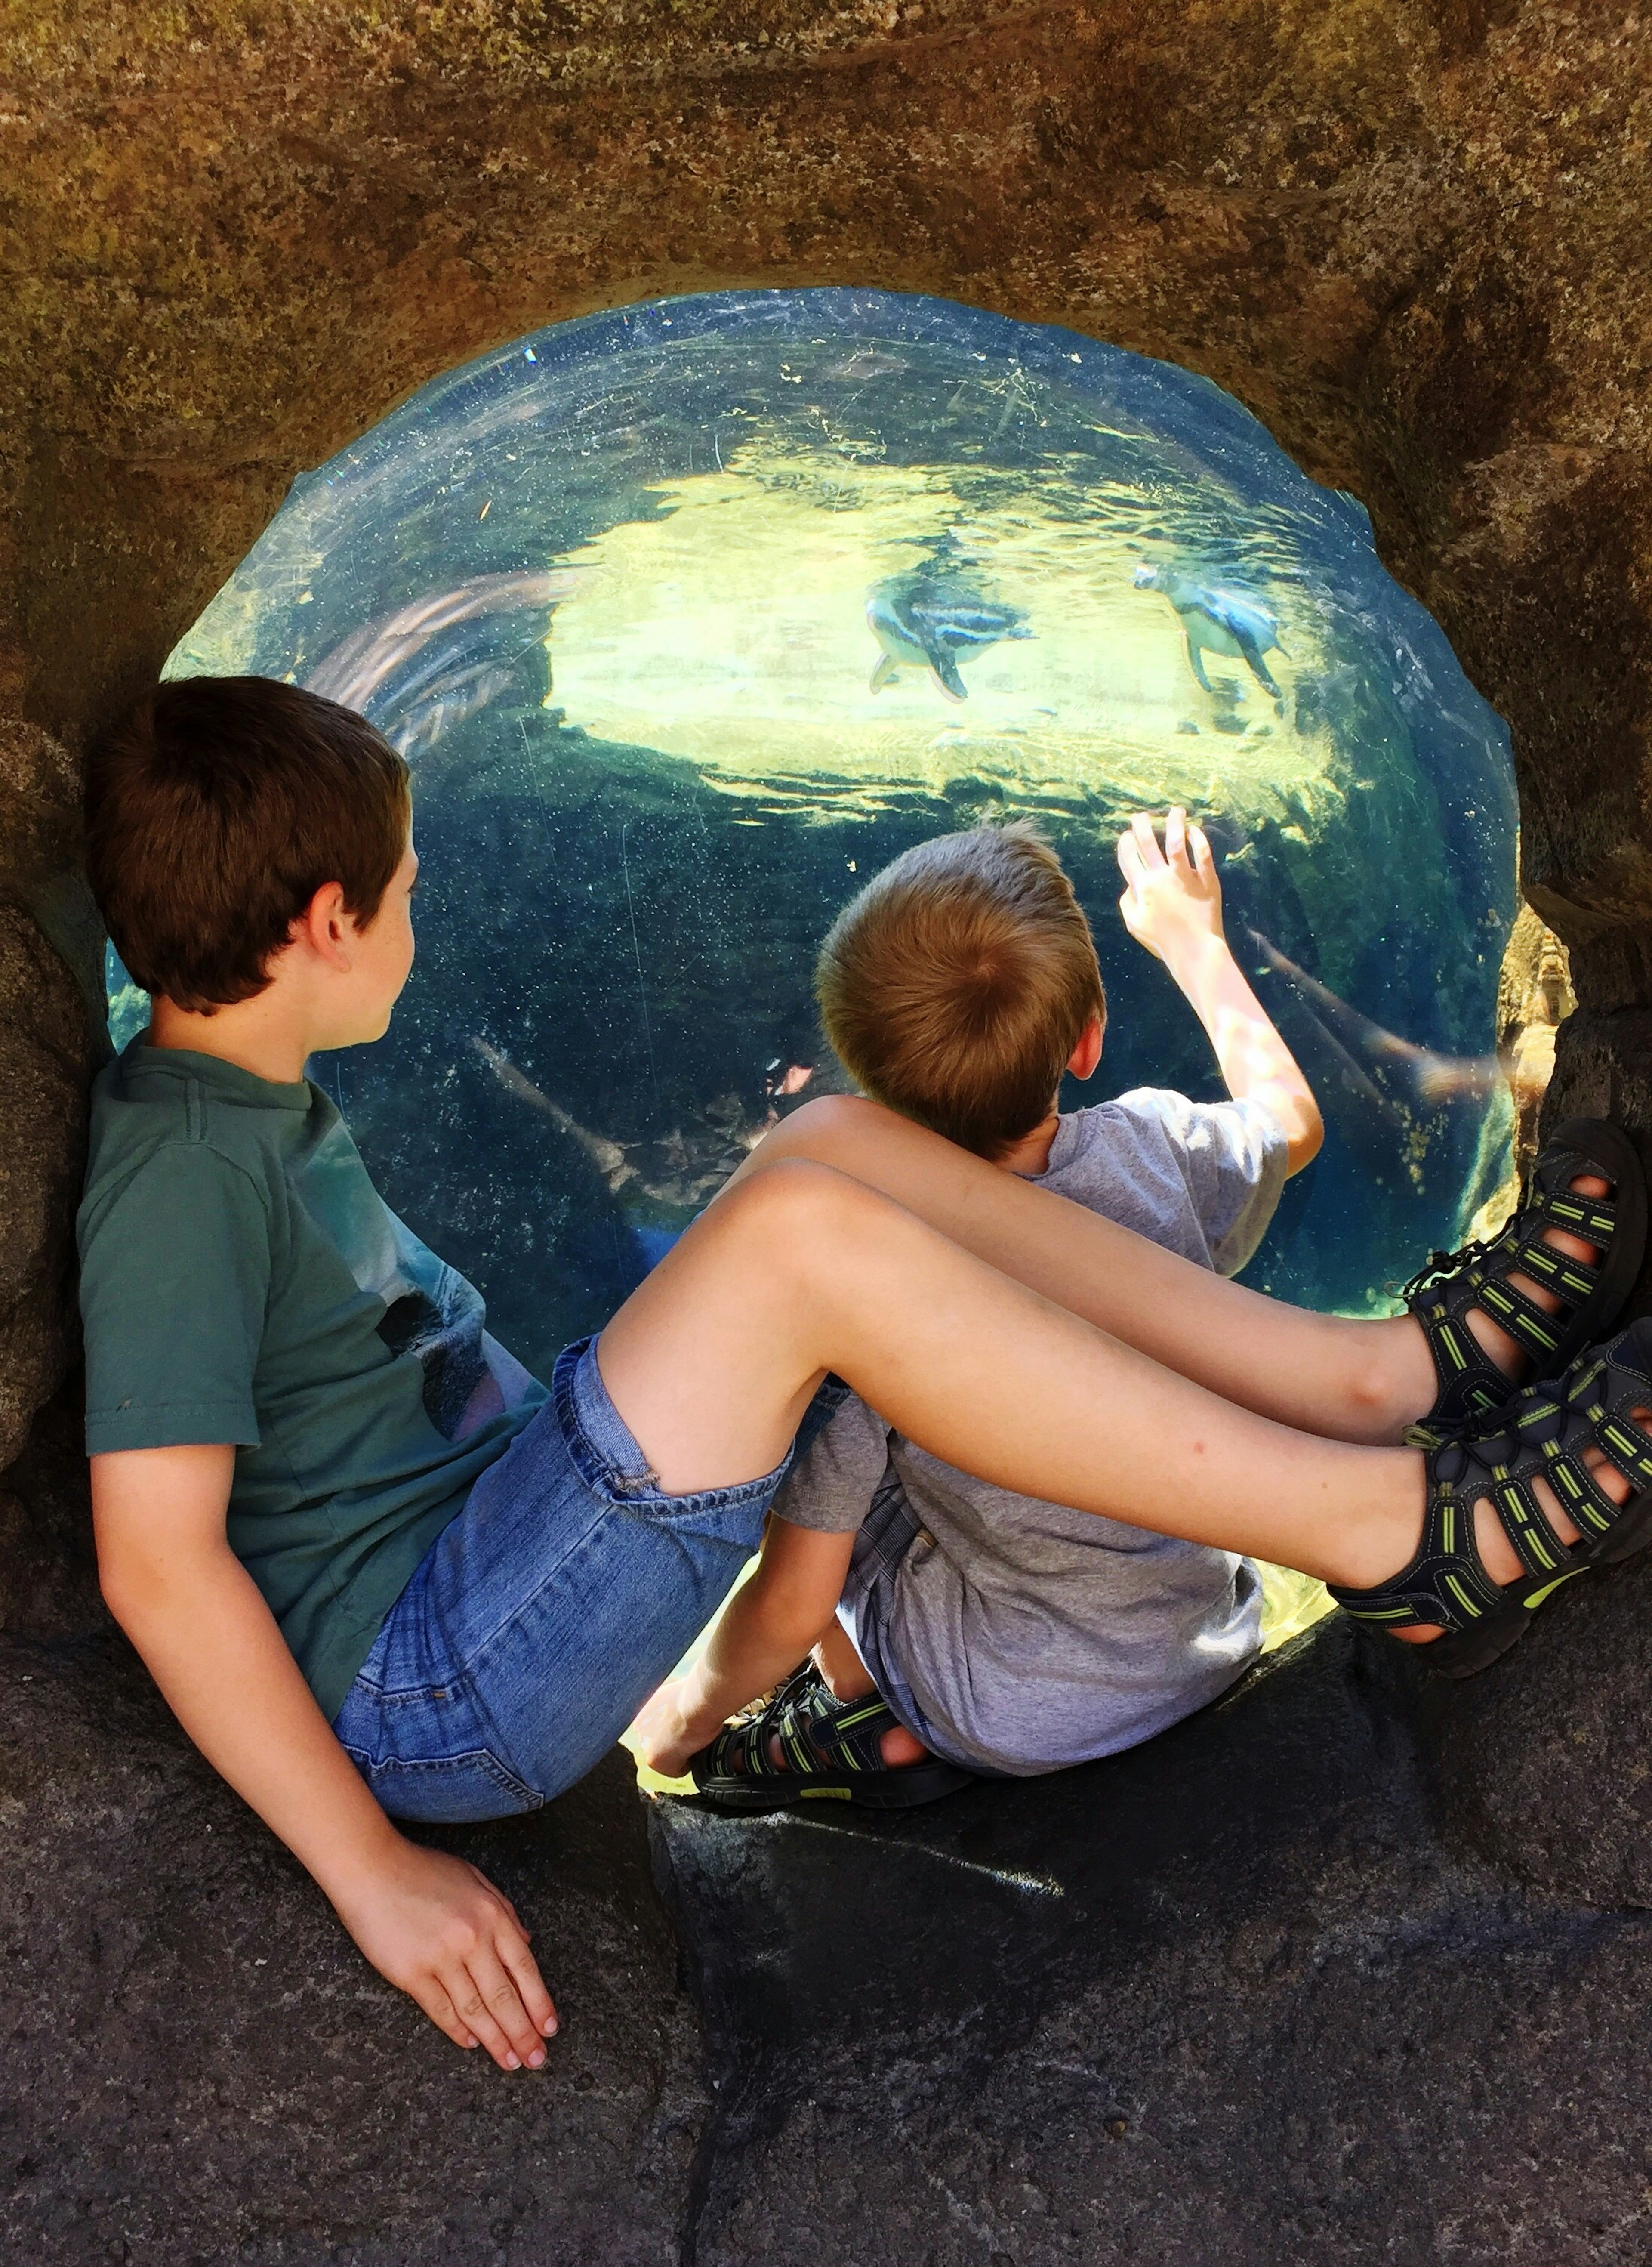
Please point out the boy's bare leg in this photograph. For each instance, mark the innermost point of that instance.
(847, 1679)
(845, 1674)
(1346, 1379)
(800, 1270)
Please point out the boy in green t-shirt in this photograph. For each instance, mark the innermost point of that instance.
(376, 1569)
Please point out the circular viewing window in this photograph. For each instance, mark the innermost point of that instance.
(692, 616)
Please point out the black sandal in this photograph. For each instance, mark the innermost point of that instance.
(1544, 1429)
(1441, 1296)
(831, 1754)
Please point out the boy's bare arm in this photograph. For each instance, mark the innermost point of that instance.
(762, 1634)
(429, 1922)
(1172, 904)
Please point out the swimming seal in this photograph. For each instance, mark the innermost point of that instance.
(926, 621)
(1216, 621)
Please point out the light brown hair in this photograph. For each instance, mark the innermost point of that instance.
(956, 985)
(216, 810)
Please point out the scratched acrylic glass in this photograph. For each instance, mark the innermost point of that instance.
(689, 617)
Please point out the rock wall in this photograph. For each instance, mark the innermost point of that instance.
(1412, 238)
(1222, 2001)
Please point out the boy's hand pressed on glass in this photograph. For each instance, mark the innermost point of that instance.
(1172, 904)
(429, 1922)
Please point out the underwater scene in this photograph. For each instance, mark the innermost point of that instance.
(690, 616)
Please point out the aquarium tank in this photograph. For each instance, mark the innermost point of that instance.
(689, 616)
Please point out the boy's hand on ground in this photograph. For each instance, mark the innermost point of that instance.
(667, 1731)
(1172, 900)
(439, 1930)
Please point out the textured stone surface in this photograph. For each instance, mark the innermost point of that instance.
(1544, 1763)
(199, 2067)
(51, 1577)
(1223, 2000)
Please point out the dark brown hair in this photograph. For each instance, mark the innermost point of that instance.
(216, 810)
(956, 985)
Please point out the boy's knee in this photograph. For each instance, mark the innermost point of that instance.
(830, 1130)
(786, 1198)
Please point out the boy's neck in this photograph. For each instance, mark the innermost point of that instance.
(261, 1035)
(1031, 1154)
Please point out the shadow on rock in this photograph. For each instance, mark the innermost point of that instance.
(1225, 1999)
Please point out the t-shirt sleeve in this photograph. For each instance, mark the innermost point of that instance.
(1233, 1158)
(174, 1272)
(831, 1486)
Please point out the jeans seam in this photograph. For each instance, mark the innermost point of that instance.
(508, 1781)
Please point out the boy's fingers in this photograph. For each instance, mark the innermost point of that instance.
(1147, 840)
(530, 1985)
(469, 1999)
(503, 2001)
(1176, 835)
(1129, 859)
(1204, 856)
(437, 2003)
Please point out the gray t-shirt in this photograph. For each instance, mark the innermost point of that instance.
(1023, 1636)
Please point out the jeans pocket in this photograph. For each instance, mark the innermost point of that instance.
(458, 1790)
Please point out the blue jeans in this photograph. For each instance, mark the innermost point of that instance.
(543, 1617)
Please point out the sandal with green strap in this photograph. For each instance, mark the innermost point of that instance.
(831, 1753)
(1543, 1430)
(1591, 1293)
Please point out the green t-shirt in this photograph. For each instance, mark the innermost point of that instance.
(242, 1280)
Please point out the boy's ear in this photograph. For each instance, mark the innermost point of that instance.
(325, 926)
(1084, 1057)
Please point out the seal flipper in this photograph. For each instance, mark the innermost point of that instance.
(945, 670)
(1195, 660)
(1251, 652)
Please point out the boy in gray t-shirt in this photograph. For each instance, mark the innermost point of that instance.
(957, 1626)
(1011, 1635)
